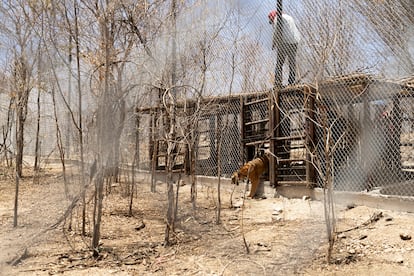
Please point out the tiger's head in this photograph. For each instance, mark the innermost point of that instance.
(235, 178)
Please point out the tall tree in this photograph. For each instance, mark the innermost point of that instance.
(171, 136)
(18, 29)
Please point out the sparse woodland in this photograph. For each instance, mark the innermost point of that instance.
(76, 77)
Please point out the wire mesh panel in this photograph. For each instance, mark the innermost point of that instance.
(255, 125)
(219, 139)
(353, 55)
(230, 139)
(357, 55)
(232, 132)
(206, 155)
(328, 85)
(366, 122)
(209, 136)
(144, 133)
(294, 136)
(407, 132)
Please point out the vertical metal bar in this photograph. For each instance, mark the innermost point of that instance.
(366, 133)
(396, 119)
(274, 112)
(310, 134)
(272, 141)
(243, 130)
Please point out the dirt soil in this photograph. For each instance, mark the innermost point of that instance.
(284, 236)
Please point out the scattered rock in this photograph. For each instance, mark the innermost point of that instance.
(261, 244)
(398, 259)
(405, 237)
(342, 236)
(277, 211)
(306, 198)
(363, 237)
(262, 247)
(276, 219)
(140, 226)
(350, 206)
(346, 260)
(388, 218)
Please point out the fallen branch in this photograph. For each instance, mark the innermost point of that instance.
(375, 217)
(242, 215)
(19, 257)
(231, 196)
(23, 251)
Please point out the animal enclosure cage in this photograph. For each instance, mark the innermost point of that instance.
(293, 136)
(370, 118)
(371, 126)
(369, 121)
(226, 130)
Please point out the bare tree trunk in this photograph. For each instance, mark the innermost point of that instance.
(69, 115)
(154, 166)
(105, 148)
(37, 142)
(21, 75)
(329, 206)
(39, 80)
(169, 167)
(60, 143)
(178, 183)
(218, 154)
(83, 184)
(23, 91)
(170, 197)
(132, 190)
(329, 210)
(21, 118)
(193, 177)
(19, 144)
(8, 131)
(172, 133)
(98, 210)
(134, 163)
(16, 198)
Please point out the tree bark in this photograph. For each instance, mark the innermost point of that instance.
(172, 132)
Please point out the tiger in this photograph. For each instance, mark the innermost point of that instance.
(253, 170)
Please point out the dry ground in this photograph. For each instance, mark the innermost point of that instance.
(285, 236)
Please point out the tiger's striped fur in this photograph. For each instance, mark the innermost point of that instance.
(252, 170)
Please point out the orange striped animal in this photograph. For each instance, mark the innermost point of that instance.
(251, 170)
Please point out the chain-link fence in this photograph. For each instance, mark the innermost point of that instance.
(337, 80)
(356, 57)
(368, 122)
(218, 138)
(370, 125)
(211, 131)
